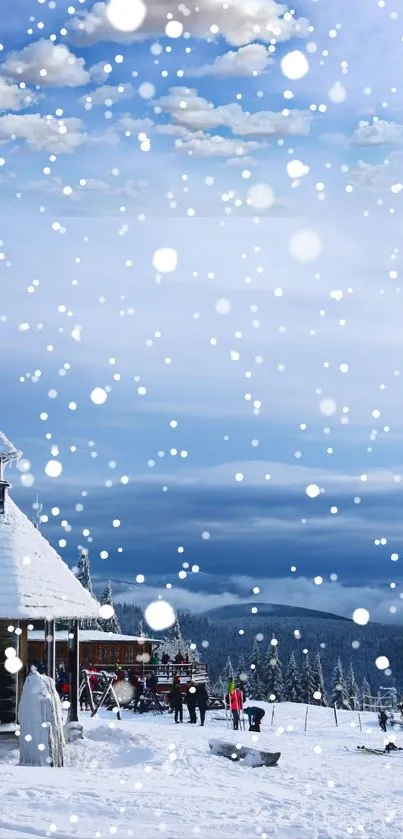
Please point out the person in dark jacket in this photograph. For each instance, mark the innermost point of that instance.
(391, 747)
(85, 694)
(383, 718)
(202, 701)
(191, 701)
(255, 716)
(62, 682)
(152, 683)
(179, 659)
(177, 700)
(138, 686)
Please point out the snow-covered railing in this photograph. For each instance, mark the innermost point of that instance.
(165, 673)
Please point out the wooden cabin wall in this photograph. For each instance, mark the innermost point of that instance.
(125, 654)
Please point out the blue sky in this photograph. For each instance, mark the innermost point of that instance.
(270, 358)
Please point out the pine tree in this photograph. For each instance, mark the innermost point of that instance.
(83, 571)
(274, 681)
(218, 689)
(339, 693)
(256, 682)
(256, 689)
(109, 624)
(292, 684)
(366, 695)
(174, 644)
(308, 685)
(242, 675)
(228, 671)
(83, 575)
(352, 689)
(319, 681)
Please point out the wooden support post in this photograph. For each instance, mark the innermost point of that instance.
(23, 655)
(50, 649)
(306, 718)
(335, 715)
(74, 665)
(360, 723)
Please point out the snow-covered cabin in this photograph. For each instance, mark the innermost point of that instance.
(36, 585)
(109, 651)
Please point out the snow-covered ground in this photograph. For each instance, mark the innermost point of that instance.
(146, 777)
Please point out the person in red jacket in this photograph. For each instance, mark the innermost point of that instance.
(236, 705)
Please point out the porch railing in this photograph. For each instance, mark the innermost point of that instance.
(164, 672)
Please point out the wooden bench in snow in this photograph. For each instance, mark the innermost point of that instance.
(252, 757)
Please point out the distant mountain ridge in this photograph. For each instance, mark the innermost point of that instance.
(243, 611)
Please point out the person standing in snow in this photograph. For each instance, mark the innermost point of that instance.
(383, 718)
(138, 688)
(191, 701)
(84, 695)
(177, 700)
(202, 701)
(152, 683)
(62, 682)
(255, 716)
(235, 702)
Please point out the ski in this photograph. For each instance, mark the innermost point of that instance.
(368, 751)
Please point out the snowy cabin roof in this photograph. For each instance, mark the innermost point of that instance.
(93, 635)
(36, 583)
(8, 452)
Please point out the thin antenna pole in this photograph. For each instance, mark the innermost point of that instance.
(37, 515)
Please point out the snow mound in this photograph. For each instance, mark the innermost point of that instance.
(105, 745)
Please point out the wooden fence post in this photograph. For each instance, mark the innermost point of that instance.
(306, 718)
(335, 715)
(359, 720)
(272, 715)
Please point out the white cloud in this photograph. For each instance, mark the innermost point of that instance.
(94, 185)
(194, 112)
(135, 126)
(250, 60)
(108, 95)
(55, 186)
(196, 143)
(239, 22)
(131, 188)
(99, 72)
(199, 144)
(368, 175)
(102, 138)
(300, 591)
(14, 98)
(42, 133)
(289, 476)
(380, 133)
(47, 64)
(242, 161)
